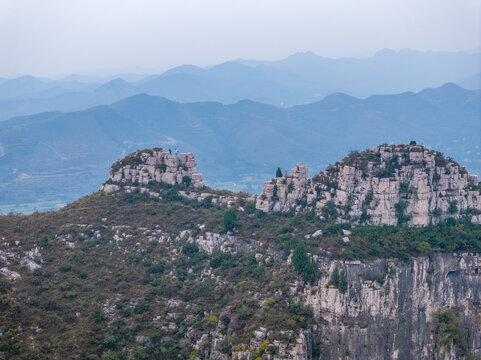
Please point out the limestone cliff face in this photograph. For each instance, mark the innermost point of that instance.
(404, 314)
(385, 185)
(156, 165)
(428, 308)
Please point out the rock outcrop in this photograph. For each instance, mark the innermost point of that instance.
(156, 165)
(385, 185)
(397, 310)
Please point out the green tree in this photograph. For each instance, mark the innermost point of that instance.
(412, 142)
(306, 268)
(343, 282)
(186, 180)
(279, 172)
(110, 356)
(335, 277)
(424, 248)
(453, 208)
(229, 220)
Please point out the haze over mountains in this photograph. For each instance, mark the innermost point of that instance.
(298, 79)
(55, 157)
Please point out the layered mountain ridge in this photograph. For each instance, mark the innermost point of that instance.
(59, 157)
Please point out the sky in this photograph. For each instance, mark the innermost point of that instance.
(59, 37)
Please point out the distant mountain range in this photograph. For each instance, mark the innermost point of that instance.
(298, 79)
(56, 157)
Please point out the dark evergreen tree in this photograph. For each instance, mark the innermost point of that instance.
(335, 277)
(343, 282)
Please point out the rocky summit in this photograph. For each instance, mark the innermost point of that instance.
(385, 185)
(377, 257)
(156, 165)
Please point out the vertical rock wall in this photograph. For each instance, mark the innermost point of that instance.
(397, 310)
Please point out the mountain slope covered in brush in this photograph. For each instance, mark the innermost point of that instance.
(148, 269)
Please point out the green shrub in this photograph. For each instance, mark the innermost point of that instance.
(229, 220)
(343, 282)
(43, 241)
(437, 212)
(186, 180)
(141, 307)
(98, 315)
(156, 269)
(453, 208)
(424, 248)
(244, 312)
(279, 173)
(110, 356)
(65, 268)
(334, 281)
(399, 208)
(290, 187)
(250, 208)
(439, 159)
(190, 249)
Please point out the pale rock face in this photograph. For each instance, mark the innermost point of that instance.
(396, 319)
(317, 233)
(426, 188)
(110, 188)
(209, 242)
(225, 200)
(281, 194)
(155, 165)
(9, 274)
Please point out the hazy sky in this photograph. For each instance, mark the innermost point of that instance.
(53, 37)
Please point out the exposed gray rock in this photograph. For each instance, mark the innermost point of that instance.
(209, 242)
(9, 274)
(390, 308)
(381, 186)
(156, 165)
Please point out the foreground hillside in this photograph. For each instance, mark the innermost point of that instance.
(53, 158)
(157, 266)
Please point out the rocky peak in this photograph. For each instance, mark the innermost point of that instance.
(155, 165)
(384, 185)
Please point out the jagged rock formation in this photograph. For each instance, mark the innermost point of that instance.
(385, 185)
(282, 193)
(156, 165)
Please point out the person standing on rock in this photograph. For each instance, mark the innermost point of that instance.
(170, 152)
(177, 152)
